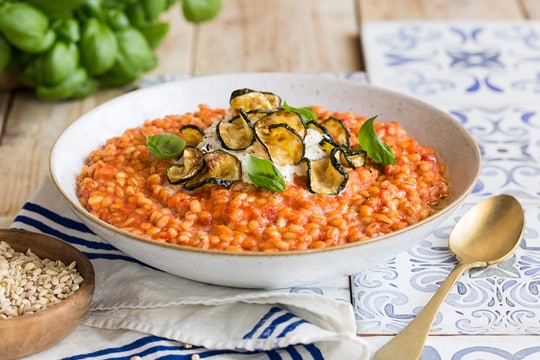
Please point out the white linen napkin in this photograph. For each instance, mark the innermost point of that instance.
(139, 311)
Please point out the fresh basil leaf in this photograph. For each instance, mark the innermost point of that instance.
(197, 11)
(165, 145)
(376, 149)
(264, 174)
(306, 113)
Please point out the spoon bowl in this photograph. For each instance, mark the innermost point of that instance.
(487, 234)
(492, 218)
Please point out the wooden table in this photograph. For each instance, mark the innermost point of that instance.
(303, 36)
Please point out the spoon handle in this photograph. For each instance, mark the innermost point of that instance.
(409, 343)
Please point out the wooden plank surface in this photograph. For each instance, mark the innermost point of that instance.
(175, 52)
(531, 9)
(278, 35)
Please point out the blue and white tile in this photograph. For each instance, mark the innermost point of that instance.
(509, 140)
(487, 62)
(472, 347)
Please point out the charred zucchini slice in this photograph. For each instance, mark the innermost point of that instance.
(289, 118)
(354, 159)
(327, 175)
(337, 131)
(318, 127)
(348, 158)
(221, 168)
(192, 164)
(236, 134)
(248, 99)
(192, 134)
(327, 145)
(257, 114)
(282, 143)
(274, 99)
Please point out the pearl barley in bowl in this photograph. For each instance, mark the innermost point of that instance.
(46, 288)
(264, 180)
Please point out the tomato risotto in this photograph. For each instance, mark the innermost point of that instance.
(326, 201)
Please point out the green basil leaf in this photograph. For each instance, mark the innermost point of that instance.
(64, 89)
(116, 19)
(60, 61)
(135, 14)
(87, 88)
(264, 174)
(133, 49)
(376, 149)
(153, 8)
(26, 27)
(197, 11)
(99, 47)
(67, 29)
(306, 113)
(56, 7)
(165, 145)
(155, 32)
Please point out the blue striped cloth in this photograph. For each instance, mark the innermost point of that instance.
(140, 311)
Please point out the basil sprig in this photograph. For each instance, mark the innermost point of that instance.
(165, 145)
(264, 174)
(376, 149)
(306, 113)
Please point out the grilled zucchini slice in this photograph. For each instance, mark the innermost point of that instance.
(248, 99)
(274, 99)
(192, 134)
(291, 119)
(318, 127)
(282, 143)
(327, 144)
(221, 168)
(236, 134)
(192, 164)
(349, 158)
(327, 175)
(338, 132)
(257, 114)
(354, 159)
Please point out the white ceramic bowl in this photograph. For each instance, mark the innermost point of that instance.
(427, 124)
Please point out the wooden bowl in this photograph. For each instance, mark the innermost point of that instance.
(28, 334)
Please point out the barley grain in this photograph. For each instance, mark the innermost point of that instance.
(29, 284)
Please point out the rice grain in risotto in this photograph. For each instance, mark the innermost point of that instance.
(123, 184)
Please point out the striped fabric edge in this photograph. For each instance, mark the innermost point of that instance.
(276, 319)
(156, 348)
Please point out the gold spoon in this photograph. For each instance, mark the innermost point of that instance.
(487, 234)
